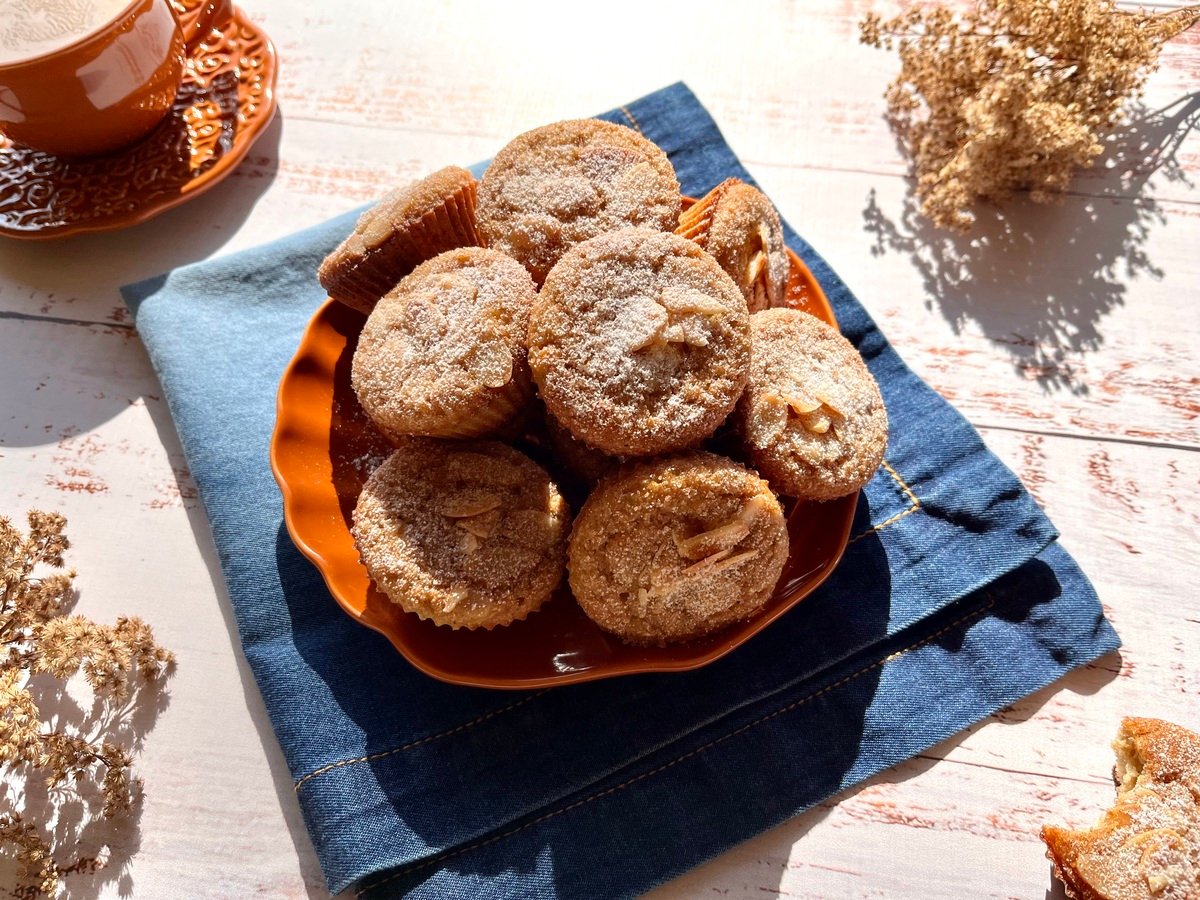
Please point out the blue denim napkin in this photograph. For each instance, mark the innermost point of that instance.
(952, 601)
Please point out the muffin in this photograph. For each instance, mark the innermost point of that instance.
(410, 225)
(812, 420)
(443, 354)
(1147, 846)
(470, 534)
(639, 342)
(585, 464)
(739, 227)
(673, 549)
(556, 186)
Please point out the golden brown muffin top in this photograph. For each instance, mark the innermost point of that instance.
(400, 209)
(677, 547)
(556, 186)
(639, 342)
(466, 533)
(436, 347)
(746, 237)
(812, 417)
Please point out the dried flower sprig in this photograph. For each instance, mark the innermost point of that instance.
(1015, 95)
(39, 638)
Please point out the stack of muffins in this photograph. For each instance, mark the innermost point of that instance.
(565, 306)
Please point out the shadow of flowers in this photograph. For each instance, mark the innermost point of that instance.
(1040, 279)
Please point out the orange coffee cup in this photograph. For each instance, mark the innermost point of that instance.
(106, 87)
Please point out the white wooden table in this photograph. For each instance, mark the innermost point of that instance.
(1067, 334)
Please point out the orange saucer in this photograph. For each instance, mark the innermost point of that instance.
(322, 451)
(226, 100)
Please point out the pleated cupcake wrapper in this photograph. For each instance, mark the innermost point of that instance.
(500, 414)
(450, 226)
(695, 222)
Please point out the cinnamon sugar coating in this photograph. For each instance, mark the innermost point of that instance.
(812, 419)
(739, 227)
(1147, 846)
(408, 226)
(676, 548)
(443, 354)
(470, 534)
(639, 342)
(556, 186)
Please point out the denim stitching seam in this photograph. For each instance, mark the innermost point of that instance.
(417, 743)
(612, 790)
(914, 505)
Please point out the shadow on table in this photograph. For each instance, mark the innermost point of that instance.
(309, 868)
(92, 850)
(1041, 278)
(776, 847)
(723, 700)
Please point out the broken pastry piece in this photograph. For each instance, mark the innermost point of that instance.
(738, 226)
(1147, 846)
(677, 548)
(639, 343)
(470, 534)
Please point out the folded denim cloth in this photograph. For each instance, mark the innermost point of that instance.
(953, 600)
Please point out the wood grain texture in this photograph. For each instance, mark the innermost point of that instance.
(1068, 334)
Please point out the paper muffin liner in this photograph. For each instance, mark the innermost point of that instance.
(695, 221)
(359, 276)
(501, 413)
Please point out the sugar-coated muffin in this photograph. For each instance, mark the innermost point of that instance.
(676, 548)
(585, 464)
(408, 226)
(1147, 846)
(556, 186)
(639, 342)
(812, 419)
(738, 225)
(443, 354)
(470, 534)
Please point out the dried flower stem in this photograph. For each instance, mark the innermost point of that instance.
(1015, 95)
(41, 639)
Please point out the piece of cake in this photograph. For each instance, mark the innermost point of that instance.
(408, 226)
(812, 420)
(739, 227)
(1147, 846)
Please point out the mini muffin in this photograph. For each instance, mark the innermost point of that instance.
(470, 534)
(812, 419)
(556, 186)
(737, 224)
(585, 464)
(407, 227)
(639, 342)
(673, 549)
(443, 354)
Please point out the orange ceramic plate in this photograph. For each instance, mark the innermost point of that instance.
(323, 450)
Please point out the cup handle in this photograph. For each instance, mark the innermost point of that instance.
(197, 24)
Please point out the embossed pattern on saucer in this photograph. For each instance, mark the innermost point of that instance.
(226, 100)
